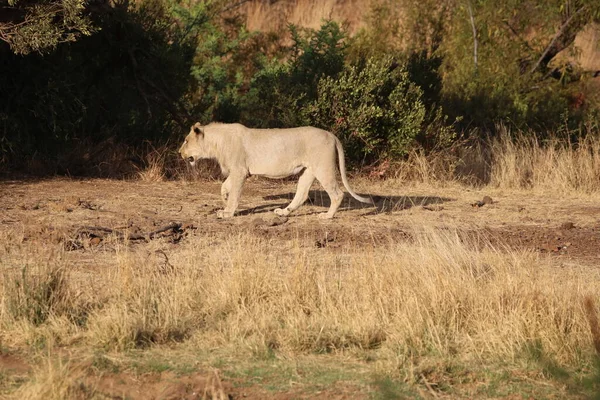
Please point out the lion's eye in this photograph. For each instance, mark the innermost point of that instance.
(185, 141)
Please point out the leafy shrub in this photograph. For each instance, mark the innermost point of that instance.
(271, 101)
(227, 57)
(374, 109)
(316, 54)
(125, 81)
(282, 88)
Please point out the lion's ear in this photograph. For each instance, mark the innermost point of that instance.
(198, 129)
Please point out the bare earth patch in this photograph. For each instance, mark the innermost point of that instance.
(59, 210)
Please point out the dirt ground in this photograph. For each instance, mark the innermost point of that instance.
(85, 217)
(74, 212)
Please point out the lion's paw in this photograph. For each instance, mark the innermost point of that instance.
(224, 214)
(282, 212)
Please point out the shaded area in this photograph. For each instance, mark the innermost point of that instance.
(381, 204)
(87, 107)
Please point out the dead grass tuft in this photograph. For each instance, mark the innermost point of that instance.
(592, 316)
(56, 380)
(509, 161)
(154, 171)
(164, 163)
(524, 162)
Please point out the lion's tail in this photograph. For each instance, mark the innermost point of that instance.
(340, 151)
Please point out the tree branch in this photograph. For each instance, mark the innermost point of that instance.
(475, 42)
(234, 6)
(558, 34)
(518, 36)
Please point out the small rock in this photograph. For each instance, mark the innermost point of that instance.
(95, 241)
(277, 221)
(567, 225)
(256, 222)
(486, 200)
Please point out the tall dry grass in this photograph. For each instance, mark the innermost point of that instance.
(510, 160)
(525, 162)
(444, 294)
(163, 163)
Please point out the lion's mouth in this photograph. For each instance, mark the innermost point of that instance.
(190, 159)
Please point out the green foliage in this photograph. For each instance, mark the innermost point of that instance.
(124, 82)
(516, 77)
(281, 88)
(128, 72)
(513, 78)
(374, 109)
(316, 54)
(272, 101)
(41, 25)
(227, 57)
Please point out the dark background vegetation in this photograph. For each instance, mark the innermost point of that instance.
(88, 87)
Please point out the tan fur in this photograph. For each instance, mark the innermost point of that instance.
(274, 153)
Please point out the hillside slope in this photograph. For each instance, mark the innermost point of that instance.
(275, 15)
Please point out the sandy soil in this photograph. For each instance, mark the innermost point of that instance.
(61, 210)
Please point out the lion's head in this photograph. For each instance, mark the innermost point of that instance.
(193, 147)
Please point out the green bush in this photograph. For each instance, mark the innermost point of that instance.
(272, 101)
(124, 82)
(281, 89)
(227, 58)
(374, 109)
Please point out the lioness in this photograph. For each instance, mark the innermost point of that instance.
(274, 153)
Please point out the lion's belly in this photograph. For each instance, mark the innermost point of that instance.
(276, 158)
(275, 172)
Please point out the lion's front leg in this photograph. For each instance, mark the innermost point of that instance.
(230, 192)
(225, 189)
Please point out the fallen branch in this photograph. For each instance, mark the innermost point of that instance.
(101, 232)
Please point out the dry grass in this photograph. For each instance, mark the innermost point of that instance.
(555, 165)
(154, 171)
(515, 161)
(445, 294)
(163, 163)
(275, 16)
(440, 295)
(54, 379)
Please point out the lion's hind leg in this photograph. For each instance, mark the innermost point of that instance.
(336, 195)
(304, 183)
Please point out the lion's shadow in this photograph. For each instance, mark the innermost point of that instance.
(381, 204)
